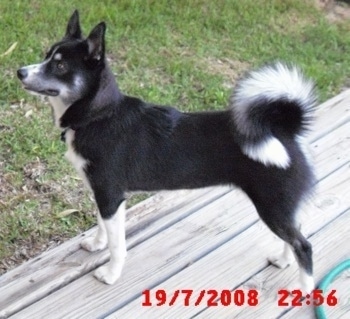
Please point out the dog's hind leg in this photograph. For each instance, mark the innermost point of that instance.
(99, 240)
(284, 259)
(115, 229)
(284, 226)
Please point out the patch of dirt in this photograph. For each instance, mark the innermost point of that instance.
(231, 70)
(34, 186)
(32, 172)
(336, 11)
(27, 249)
(6, 186)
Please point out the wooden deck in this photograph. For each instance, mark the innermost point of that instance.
(200, 240)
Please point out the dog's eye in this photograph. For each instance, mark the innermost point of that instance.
(61, 66)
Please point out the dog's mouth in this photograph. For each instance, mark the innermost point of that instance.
(48, 92)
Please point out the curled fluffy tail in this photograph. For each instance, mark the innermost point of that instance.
(269, 106)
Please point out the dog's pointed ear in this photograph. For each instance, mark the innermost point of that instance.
(73, 28)
(96, 42)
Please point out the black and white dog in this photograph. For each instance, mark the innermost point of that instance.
(119, 143)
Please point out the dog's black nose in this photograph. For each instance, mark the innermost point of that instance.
(22, 73)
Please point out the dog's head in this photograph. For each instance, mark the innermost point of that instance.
(70, 66)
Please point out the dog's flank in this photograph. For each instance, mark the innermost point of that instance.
(119, 143)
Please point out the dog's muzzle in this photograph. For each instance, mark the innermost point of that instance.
(23, 73)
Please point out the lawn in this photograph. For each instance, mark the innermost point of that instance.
(184, 53)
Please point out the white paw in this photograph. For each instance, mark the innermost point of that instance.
(307, 283)
(93, 244)
(280, 261)
(108, 274)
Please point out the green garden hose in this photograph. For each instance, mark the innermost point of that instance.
(326, 281)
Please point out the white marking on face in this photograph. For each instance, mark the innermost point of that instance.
(78, 82)
(57, 57)
(65, 92)
(270, 153)
(33, 73)
(34, 69)
(67, 96)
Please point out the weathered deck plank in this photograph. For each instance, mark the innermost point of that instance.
(191, 233)
(331, 114)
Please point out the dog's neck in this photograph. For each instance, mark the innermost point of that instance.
(108, 92)
(98, 103)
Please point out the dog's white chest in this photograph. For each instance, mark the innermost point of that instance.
(75, 158)
(58, 109)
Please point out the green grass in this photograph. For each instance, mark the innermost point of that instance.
(180, 52)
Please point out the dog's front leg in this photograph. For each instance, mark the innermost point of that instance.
(99, 240)
(115, 230)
